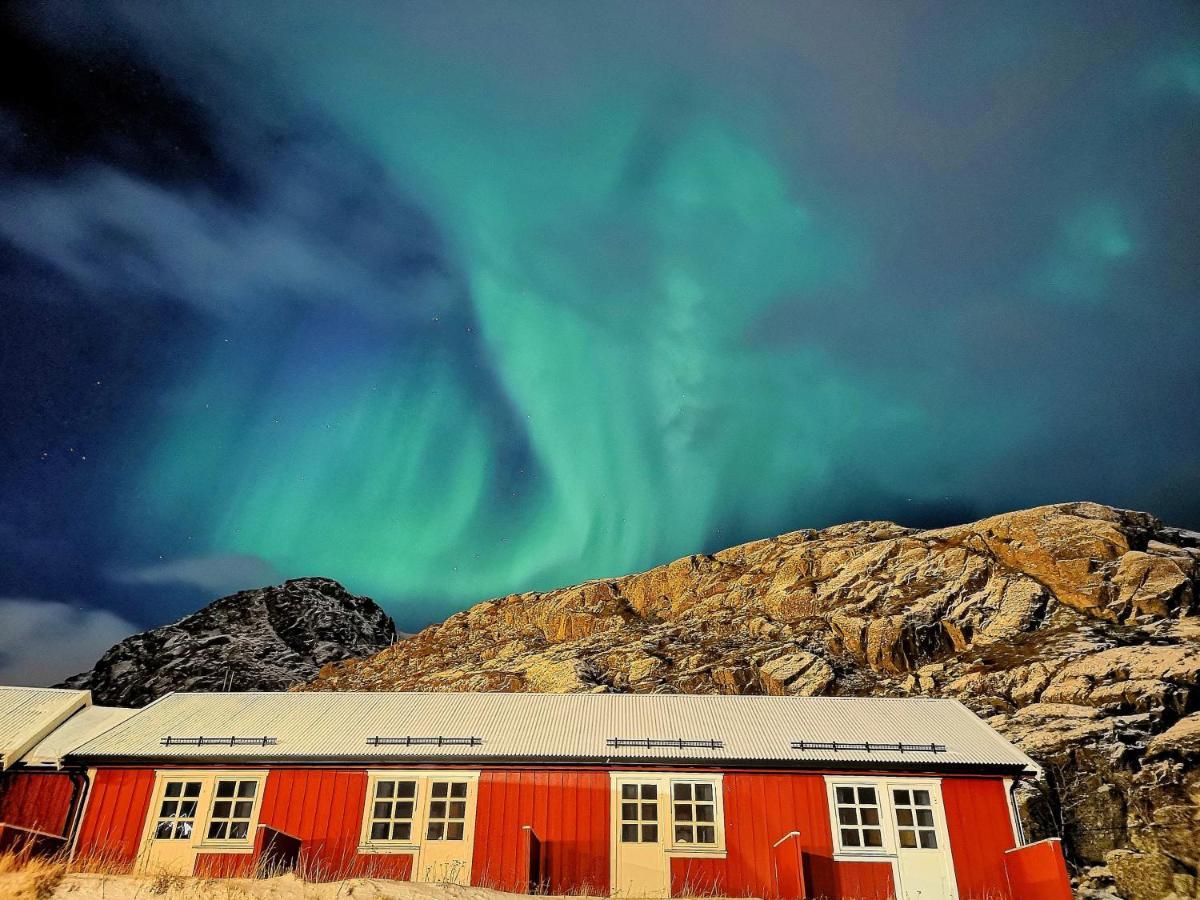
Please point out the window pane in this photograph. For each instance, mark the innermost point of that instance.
(162, 831)
(928, 840)
(870, 815)
(225, 788)
(704, 792)
(849, 838)
(183, 830)
(192, 789)
(629, 792)
(706, 834)
(649, 834)
(454, 831)
(458, 789)
(847, 815)
(907, 838)
(705, 813)
(243, 809)
(845, 795)
(169, 808)
(440, 788)
(247, 788)
(629, 834)
(401, 831)
(437, 809)
(174, 789)
(238, 830)
(872, 837)
(921, 798)
(458, 809)
(436, 831)
(406, 789)
(385, 789)
(866, 795)
(217, 830)
(683, 834)
(404, 809)
(649, 791)
(629, 811)
(382, 810)
(683, 812)
(682, 791)
(903, 817)
(221, 809)
(649, 811)
(925, 817)
(901, 797)
(379, 831)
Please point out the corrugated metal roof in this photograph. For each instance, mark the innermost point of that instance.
(340, 726)
(83, 726)
(28, 714)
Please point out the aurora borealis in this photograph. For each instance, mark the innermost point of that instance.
(449, 300)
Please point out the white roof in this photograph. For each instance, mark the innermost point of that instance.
(29, 714)
(577, 727)
(88, 723)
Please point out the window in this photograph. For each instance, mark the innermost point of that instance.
(694, 806)
(858, 817)
(177, 812)
(447, 811)
(232, 809)
(639, 813)
(914, 819)
(392, 809)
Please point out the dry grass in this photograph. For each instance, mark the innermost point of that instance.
(29, 878)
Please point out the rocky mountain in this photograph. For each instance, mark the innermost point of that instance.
(1072, 628)
(265, 639)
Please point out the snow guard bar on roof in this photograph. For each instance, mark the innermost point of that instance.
(869, 746)
(232, 741)
(409, 741)
(677, 743)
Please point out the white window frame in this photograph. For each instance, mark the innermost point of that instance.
(208, 779)
(666, 782)
(718, 822)
(421, 800)
(884, 827)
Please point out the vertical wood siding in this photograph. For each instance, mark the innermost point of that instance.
(759, 810)
(116, 813)
(323, 808)
(569, 813)
(981, 831)
(40, 801)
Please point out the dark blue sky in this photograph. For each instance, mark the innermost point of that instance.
(451, 300)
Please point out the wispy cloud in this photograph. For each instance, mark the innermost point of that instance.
(217, 575)
(43, 642)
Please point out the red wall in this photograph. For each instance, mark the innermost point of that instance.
(977, 817)
(40, 801)
(1039, 871)
(569, 812)
(323, 808)
(116, 812)
(759, 810)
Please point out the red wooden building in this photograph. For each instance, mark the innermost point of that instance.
(630, 795)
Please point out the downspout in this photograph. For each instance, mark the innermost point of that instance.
(1015, 810)
(79, 791)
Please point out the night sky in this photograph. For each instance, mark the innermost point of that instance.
(447, 300)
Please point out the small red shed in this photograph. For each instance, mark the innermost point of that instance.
(632, 795)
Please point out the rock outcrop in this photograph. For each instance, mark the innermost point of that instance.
(265, 639)
(1072, 628)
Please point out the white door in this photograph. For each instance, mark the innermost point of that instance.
(922, 851)
(447, 841)
(169, 843)
(641, 867)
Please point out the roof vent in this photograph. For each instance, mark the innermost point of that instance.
(410, 741)
(231, 741)
(869, 747)
(675, 743)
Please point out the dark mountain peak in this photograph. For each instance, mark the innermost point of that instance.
(268, 638)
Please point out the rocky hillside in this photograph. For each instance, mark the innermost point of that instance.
(264, 639)
(1072, 628)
